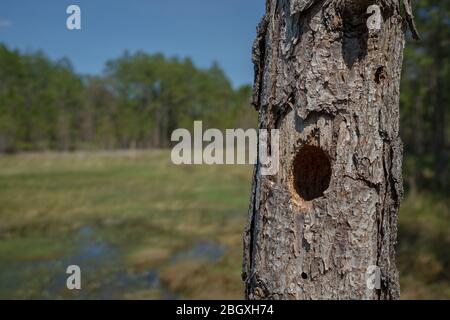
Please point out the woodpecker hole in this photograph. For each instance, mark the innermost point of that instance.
(312, 172)
(380, 74)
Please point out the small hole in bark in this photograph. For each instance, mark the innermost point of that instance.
(312, 172)
(380, 75)
(304, 275)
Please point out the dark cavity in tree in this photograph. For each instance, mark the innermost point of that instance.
(380, 75)
(355, 33)
(312, 172)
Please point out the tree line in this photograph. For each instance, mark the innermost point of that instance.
(136, 103)
(425, 99)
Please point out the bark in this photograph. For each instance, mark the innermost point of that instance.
(328, 79)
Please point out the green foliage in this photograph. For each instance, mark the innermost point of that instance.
(39, 100)
(137, 103)
(425, 98)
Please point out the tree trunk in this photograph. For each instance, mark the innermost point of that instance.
(327, 75)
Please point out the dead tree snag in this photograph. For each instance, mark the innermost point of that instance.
(327, 75)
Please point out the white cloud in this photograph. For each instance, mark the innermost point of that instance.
(5, 23)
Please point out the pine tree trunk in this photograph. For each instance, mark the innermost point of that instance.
(327, 75)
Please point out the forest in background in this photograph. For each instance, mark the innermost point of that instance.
(424, 99)
(136, 103)
(141, 98)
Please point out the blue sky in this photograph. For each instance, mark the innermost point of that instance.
(205, 30)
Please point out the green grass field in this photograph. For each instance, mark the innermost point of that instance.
(141, 227)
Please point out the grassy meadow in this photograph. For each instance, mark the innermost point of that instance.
(142, 228)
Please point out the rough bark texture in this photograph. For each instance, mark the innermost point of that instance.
(328, 81)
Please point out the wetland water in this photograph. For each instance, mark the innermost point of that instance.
(104, 274)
